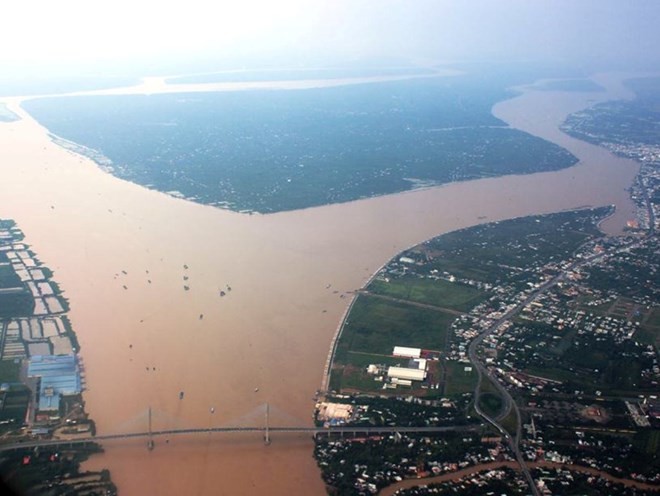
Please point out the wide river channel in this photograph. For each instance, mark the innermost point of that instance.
(121, 252)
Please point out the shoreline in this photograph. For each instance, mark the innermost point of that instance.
(520, 91)
(466, 472)
(102, 226)
(408, 483)
(327, 373)
(158, 85)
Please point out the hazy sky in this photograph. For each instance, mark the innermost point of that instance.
(75, 30)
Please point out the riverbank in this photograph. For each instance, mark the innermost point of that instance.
(467, 472)
(272, 331)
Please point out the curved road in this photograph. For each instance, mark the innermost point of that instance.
(509, 403)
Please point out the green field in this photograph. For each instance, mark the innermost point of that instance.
(510, 422)
(351, 373)
(458, 380)
(619, 377)
(654, 318)
(649, 442)
(441, 293)
(649, 331)
(376, 326)
(554, 374)
(354, 379)
(491, 404)
(648, 335)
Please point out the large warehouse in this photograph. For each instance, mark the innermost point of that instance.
(403, 351)
(58, 374)
(406, 373)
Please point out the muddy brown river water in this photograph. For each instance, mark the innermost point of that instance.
(119, 252)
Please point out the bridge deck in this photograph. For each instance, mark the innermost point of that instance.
(209, 430)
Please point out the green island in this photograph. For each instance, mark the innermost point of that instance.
(41, 381)
(535, 340)
(268, 151)
(631, 129)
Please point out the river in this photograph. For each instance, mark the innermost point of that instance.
(469, 471)
(120, 253)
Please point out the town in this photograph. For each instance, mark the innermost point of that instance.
(41, 376)
(548, 335)
(566, 321)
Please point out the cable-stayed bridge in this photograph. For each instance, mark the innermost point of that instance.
(264, 411)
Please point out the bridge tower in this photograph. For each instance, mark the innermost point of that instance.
(267, 429)
(150, 441)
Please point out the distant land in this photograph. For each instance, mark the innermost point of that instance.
(629, 129)
(570, 85)
(297, 74)
(58, 85)
(268, 151)
(620, 124)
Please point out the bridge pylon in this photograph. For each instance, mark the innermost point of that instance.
(150, 440)
(267, 428)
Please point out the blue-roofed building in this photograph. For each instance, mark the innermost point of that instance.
(59, 375)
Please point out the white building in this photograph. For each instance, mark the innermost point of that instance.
(402, 351)
(406, 374)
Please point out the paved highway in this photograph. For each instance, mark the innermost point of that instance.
(509, 403)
